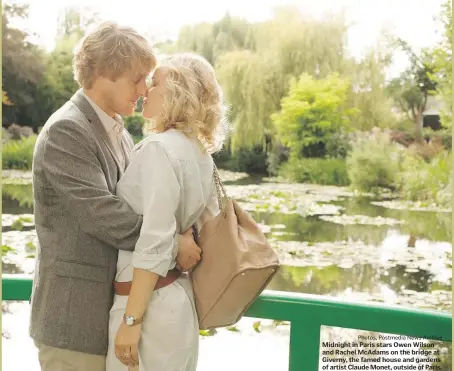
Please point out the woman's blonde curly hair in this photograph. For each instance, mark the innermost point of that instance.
(193, 101)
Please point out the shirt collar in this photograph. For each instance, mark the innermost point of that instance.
(110, 123)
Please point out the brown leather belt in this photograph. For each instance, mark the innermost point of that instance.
(124, 288)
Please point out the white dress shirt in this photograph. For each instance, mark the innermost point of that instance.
(114, 127)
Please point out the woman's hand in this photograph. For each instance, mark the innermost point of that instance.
(127, 344)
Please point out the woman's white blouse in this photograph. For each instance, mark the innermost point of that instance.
(170, 182)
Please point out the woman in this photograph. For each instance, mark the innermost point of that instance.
(170, 182)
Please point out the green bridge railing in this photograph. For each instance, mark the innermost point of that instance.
(307, 313)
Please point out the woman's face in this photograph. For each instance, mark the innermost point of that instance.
(153, 103)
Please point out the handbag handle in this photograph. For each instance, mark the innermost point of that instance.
(220, 190)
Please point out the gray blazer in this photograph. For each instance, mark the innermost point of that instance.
(80, 224)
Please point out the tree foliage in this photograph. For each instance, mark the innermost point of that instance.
(443, 64)
(311, 113)
(413, 87)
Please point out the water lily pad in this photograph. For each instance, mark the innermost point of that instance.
(360, 219)
(21, 242)
(30, 247)
(436, 300)
(230, 176)
(264, 228)
(387, 247)
(18, 221)
(410, 205)
(8, 250)
(280, 233)
(16, 177)
(428, 256)
(209, 332)
(256, 326)
(285, 199)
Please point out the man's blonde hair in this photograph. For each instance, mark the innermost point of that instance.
(193, 101)
(110, 50)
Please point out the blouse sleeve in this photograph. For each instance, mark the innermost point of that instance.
(160, 191)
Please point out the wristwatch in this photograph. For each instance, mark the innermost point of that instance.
(131, 320)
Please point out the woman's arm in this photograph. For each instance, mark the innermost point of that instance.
(154, 254)
(143, 284)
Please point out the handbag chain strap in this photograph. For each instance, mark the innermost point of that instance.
(220, 190)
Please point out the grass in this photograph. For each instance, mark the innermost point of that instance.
(18, 154)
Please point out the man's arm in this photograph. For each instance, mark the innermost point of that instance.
(75, 173)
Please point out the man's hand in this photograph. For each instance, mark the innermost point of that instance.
(188, 252)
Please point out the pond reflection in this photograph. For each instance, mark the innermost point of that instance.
(390, 263)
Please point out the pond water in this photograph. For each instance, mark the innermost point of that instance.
(331, 242)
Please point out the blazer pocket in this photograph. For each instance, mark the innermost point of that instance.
(81, 271)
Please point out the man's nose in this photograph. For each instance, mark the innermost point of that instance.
(142, 89)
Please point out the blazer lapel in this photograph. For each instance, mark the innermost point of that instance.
(85, 107)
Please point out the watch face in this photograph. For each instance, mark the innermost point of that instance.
(129, 320)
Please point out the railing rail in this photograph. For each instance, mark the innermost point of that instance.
(307, 313)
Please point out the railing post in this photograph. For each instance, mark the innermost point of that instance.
(304, 345)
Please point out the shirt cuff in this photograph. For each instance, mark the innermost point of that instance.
(155, 263)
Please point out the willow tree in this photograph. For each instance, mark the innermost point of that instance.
(368, 90)
(196, 38)
(214, 39)
(252, 88)
(255, 80)
(443, 64)
(303, 44)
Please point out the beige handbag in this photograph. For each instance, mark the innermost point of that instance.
(237, 264)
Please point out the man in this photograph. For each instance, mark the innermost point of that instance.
(80, 154)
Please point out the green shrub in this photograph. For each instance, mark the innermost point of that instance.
(326, 171)
(444, 195)
(252, 161)
(276, 158)
(134, 124)
(374, 162)
(6, 136)
(407, 137)
(313, 111)
(22, 193)
(427, 181)
(338, 145)
(137, 139)
(444, 137)
(18, 154)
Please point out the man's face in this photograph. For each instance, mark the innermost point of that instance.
(121, 95)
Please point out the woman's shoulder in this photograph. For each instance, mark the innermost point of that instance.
(169, 139)
(152, 142)
(175, 143)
